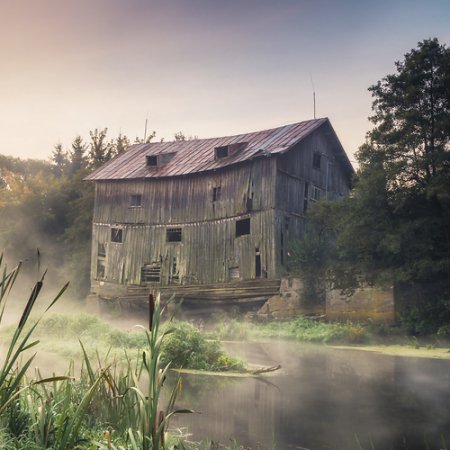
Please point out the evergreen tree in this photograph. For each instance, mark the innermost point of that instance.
(100, 150)
(78, 160)
(59, 160)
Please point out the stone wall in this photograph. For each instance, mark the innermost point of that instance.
(369, 303)
(289, 302)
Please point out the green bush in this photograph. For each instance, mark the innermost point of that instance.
(187, 347)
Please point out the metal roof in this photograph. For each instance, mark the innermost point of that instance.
(198, 155)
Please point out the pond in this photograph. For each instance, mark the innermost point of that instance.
(322, 398)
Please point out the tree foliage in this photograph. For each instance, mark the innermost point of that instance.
(394, 227)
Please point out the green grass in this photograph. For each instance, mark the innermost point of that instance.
(185, 347)
(299, 328)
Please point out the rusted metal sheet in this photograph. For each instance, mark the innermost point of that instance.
(198, 155)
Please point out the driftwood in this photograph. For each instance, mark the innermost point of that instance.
(265, 370)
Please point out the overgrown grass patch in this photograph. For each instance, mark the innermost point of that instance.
(300, 329)
(185, 346)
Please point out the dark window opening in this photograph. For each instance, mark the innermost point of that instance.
(173, 235)
(257, 264)
(101, 250)
(100, 270)
(316, 160)
(249, 203)
(174, 276)
(135, 200)
(159, 160)
(221, 152)
(151, 273)
(305, 201)
(242, 227)
(152, 161)
(233, 273)
(217, 191)
(316, 194)
(116, 235)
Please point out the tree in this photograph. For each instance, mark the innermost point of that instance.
(121, 144)
(100, 150)
(59, 160)
(394, 227)
(409, 149)
(78, 160)
(412, 122)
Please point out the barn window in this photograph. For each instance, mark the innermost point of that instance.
(315, 194)
(316, 160)
(257, 263)
(216, 193)
(116, 235)
(221, 152)
(173, 235)
(174, 277)
(305, 199)
(100, 270)
(151, 273)
(159, 160)
(101, 250)
(135, 200)
(242, 227)
(151, 160)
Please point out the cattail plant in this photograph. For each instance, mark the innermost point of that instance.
(153, 418)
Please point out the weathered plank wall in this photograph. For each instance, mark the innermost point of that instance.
(299, 184)
(273, 192)
(188, 198)
(209, 251)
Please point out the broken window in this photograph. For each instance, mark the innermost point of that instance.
(316, 160)
(173, 235)
(233, 273)
(242, 227)
(151, 273)
(101, 270)
(217, 191)
(174, 276)
(101, 250)
(135, 200)
(315, 194)
(116, 235)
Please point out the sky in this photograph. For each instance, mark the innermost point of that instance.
(204, 67)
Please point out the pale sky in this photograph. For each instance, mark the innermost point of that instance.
(205, 67)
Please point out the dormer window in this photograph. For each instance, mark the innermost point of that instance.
(159, 160)
(152, 161)
(221, 152)
(228, 150)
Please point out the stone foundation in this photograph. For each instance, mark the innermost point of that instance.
(369, 303)
(289, 302)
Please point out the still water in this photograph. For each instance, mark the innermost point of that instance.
(322, 398)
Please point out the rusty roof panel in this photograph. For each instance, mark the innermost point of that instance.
(198, 155)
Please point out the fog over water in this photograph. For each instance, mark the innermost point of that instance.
(323, 398)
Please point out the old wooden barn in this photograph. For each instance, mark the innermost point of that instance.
(210, 219)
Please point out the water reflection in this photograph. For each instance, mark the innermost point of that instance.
(324, 399)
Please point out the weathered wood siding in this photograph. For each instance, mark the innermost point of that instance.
(297, 179)
(188, 198)
(209, 250)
